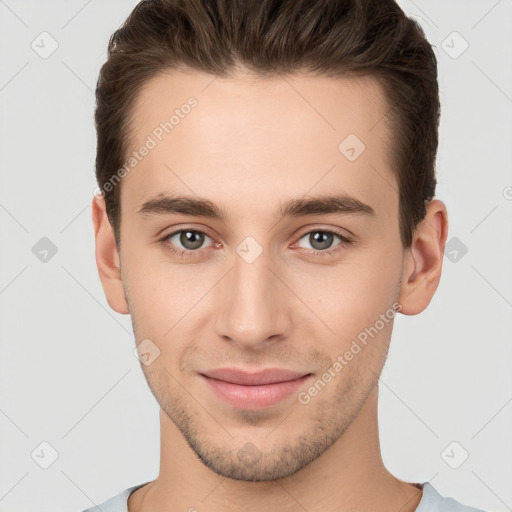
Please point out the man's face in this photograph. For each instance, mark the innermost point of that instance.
(256, 290)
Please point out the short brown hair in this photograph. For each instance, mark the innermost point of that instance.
(334, 38)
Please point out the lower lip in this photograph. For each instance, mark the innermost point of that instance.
(254, 397)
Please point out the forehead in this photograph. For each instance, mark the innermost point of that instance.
(267, 136)
(301, 104)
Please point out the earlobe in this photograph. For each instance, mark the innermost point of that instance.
(424, 260)
(107, 258)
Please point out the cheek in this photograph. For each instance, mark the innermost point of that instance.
(163, 296)
(349, 296)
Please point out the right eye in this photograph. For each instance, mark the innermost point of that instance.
(185, 242)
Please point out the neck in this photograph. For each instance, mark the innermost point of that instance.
(349, 475)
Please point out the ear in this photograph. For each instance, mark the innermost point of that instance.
(423, 261)
(107, 257)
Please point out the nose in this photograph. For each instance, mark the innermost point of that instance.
(252, 308)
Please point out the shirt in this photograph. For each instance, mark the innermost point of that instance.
(431, 501)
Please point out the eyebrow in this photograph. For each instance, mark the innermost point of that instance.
(197, 207)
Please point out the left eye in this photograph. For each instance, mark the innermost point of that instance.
(322, 240)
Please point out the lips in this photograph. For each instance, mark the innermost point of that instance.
(259, 390)
(267, 376)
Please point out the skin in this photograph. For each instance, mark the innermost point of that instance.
(249, 146)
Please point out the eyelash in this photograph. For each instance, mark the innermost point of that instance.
(190, 253)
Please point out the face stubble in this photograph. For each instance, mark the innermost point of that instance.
(330, 414)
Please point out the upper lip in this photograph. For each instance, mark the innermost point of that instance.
(266, 376)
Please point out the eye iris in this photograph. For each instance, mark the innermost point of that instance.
(191, 239)
(322, 238)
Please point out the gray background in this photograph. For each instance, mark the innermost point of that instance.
(68, 376)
